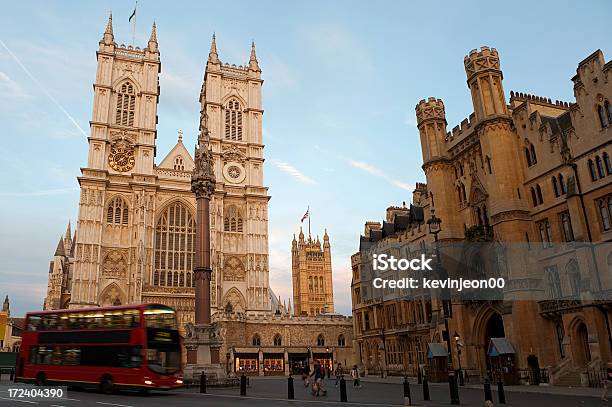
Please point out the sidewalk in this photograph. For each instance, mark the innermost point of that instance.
(542, 389)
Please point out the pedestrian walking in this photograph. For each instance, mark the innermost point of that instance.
(338, 373)
(317, 385)
(355, 376)
(306, 374)
(607, 382)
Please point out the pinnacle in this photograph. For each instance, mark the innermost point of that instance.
(213, 56)
(109, 25)
(153, 33)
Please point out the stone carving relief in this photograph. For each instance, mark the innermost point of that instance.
(114, 264)
(112, 295)
(233, 269)
(236, 300)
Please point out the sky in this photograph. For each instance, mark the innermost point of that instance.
(342, 79)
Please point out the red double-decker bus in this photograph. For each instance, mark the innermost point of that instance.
(134, 347)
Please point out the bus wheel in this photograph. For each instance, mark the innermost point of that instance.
(41, 379)
(106, 385)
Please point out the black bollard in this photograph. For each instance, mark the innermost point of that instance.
(425, 389)
(290, 390)
(419, 376)
(500, 392)
(407, 397)
(454, 391)
(342, 389)
(243, 385)
(203, 383)
(487, 390)
(12, 374)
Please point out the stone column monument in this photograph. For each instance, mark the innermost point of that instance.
(203, 339)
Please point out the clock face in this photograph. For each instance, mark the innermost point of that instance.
(121, 157)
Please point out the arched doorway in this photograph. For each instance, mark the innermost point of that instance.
(580, 345)
(494, 328)
(534, 370)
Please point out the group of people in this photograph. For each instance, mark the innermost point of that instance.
(318, 375)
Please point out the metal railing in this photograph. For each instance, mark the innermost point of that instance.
(533, 377)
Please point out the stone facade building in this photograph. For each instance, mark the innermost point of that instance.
(135, 229)
(313, 291)
(532, 178)
(134, 240)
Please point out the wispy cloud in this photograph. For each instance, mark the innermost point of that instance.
(9, 89)
(44, 192)
(42, 88)
(294, 172)
(377, 172)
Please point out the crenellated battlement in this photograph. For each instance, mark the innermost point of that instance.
(459, 131)
(430, 109)
(481, 61)
(523, 97)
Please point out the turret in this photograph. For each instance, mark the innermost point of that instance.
(326, 244)
(431, 121)
(484, 78)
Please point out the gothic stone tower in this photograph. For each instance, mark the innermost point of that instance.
(313, 291)
(231, 100)
(115, 236)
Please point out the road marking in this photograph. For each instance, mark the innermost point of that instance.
(73, 399)
(21, 401)
(112, 404)
(280, 399)
(56, 405)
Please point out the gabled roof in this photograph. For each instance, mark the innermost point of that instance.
(178, 150)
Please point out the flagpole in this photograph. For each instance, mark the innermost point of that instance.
(309, 223)
(134, 25)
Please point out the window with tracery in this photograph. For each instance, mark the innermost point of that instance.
(278, 340)
(233, 120)
(126, 105)
(320, 340)
(256, 340)
(232, 222)
(117, 212)
(174, 247)
(179, 163)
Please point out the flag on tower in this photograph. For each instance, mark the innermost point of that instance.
(306, 215)
(133, 13)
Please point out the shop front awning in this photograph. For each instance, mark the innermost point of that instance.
(499, 347)
(435, 350)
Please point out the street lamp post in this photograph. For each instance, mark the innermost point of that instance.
(434, 223)
(457, 337)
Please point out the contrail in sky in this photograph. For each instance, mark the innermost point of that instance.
(42, 88)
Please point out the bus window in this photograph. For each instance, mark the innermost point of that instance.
(162, 318)
(33, 322)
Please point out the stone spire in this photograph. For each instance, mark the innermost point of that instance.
(60, 251)
(253, 64)
(153, 47)
(6, 305)
(213, 57)
(68, 239)
(108, 37)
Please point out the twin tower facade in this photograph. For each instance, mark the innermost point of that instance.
(134, 240)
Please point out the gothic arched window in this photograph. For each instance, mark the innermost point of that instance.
(562, 184)
(126, 105)
(608, 107)
(179, 164)
(117, 212)
(341, 340)
(606, 158)
(528, 157)
(256, 340)
(278, 340)
(174, 246)
(603, 117)
(534, 198)
(233, 120)
(320, 340)
(534, 158)
(600, 168)
(592, 170)
(539, 192)
(555, 186)
(232, 222)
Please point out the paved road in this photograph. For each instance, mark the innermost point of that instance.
(272, 393)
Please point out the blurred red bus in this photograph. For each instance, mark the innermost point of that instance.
(133, 347)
